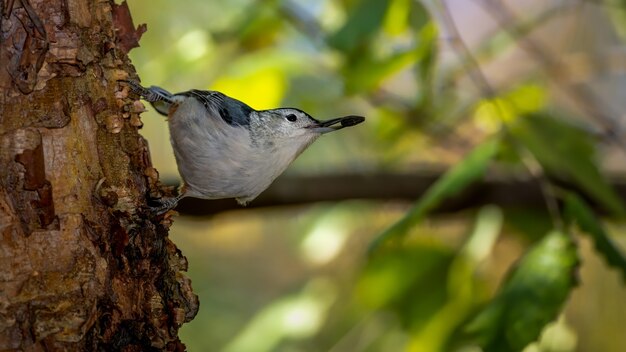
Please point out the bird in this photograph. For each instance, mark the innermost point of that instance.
(225, 148)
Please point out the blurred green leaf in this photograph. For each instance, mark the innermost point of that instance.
(530, 298)
(396, 19)
(419, 15)
(578, 211)
(363, 21)
(480, 242)
(528, 97)
(427, 50)
(463, 288)
(260, 34)
(406, 281)
(256, 28)
(428, 41)
(454, 181)
(566, 152)
(367, 73)
(531, 224)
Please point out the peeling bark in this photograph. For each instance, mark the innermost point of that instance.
(84, 264)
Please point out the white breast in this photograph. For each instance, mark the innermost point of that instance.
(217, 160)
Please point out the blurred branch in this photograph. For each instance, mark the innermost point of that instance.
(302, 20)
(479, 79)
(590, 102)
(555, 71)
(484, 50)
(293, 190)
(465, 54)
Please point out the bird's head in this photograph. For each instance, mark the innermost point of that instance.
(287, 123)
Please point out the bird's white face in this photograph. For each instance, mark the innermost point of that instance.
(287, 123)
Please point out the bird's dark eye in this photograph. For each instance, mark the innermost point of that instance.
(292, 117)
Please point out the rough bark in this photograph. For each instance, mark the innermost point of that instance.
(83, 264)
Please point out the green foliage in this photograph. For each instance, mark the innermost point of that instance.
(428, 286)
(426, 57)
(530, 223)
(471, 169)
(566, 152)
(367, 73)
(393, 278)
(384, 59)
(366, 68)
(365, 20)
(579, 212)
(530, 298)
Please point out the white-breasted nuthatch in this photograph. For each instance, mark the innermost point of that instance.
(226, 149)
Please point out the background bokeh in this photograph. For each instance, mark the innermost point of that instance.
(437, 81)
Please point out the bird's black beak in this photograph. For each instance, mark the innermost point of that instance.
(337, 124)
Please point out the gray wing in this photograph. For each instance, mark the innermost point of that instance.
(232, 111)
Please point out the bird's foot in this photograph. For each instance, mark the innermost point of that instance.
(160, 206)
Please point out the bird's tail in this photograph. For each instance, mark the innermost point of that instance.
(158, 97)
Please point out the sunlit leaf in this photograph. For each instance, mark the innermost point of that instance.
(296, 316)
(480, 242)
(527, 98)
(566, 152)
(397, 17)
(453, 182)
(261, 89)
(530, 298)
(579, 212)
(489, 114)
(364, 20)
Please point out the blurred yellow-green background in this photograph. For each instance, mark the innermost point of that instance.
(527, 91)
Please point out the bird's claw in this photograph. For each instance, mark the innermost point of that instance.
(160, 206)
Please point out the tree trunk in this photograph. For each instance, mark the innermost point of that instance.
(84, 264)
